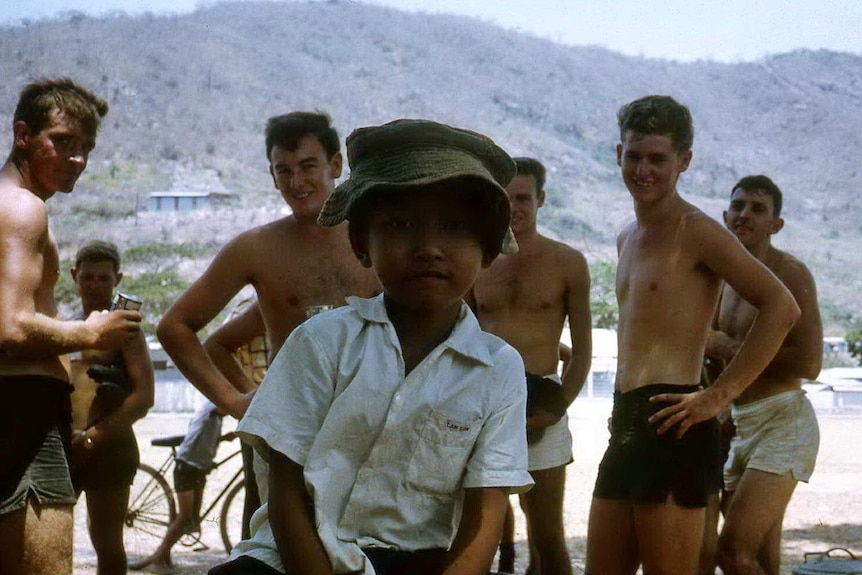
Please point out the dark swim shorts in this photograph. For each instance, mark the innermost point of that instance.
(644, 467)
(188, 477)
(111, 465)
(34, 436)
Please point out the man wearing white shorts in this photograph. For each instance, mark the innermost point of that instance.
(776, 431)
(525, 298)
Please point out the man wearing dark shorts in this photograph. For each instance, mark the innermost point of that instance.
(55, 125)
(113, 389)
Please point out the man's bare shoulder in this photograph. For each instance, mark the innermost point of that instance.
(568, 258)
(20, 208)
(789, 269)
(625, 233)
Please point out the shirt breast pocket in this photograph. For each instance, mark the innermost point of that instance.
(441, 453)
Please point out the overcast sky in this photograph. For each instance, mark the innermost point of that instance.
(727, 30)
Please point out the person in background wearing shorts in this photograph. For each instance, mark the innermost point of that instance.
(54, 129)
(526, 298)
(113, 389)
(777, 435)
(663, 457)
(194, 461)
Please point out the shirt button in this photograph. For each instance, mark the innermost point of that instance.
(397, 399)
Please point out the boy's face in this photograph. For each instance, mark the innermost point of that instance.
(424, 246)
(650, 165)
(751, 217)
(96, 282)
(305, 176)
(524, 201)
(57, 155)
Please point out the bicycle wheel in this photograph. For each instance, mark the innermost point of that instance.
(151, 509)
(231, 516)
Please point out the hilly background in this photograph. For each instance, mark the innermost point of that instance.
(190, 95)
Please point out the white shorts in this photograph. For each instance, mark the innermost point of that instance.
(777, 434)
(555, 447)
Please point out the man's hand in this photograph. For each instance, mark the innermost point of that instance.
(686, 409)
(719, 345)
(114, 329)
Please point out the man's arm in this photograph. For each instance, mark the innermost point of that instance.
(801, 354)
(25, 332)
(580, 325)
(721, 252)
(139, 370)
(223, 342)
(479, 532)
(291, 517)
(178, 329)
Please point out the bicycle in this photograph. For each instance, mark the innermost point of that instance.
(152, 504)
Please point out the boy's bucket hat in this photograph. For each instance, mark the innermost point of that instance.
(408, 153)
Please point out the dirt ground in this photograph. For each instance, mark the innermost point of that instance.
(823, 514)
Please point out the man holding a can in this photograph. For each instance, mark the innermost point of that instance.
(54, 127)
(113, 389)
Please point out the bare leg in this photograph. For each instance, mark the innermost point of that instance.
(706, 563)
(612, 547)
(185, 515)
(106, 512)
(669, 537)
(545, 528)
(36, 540)
(750, 542)
(506, 564)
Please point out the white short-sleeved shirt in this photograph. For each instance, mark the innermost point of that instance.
(386, 457)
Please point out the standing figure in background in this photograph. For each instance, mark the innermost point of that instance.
(113, 389)
(194, 461)
(54, 128)
(777, 436)
(526, 299)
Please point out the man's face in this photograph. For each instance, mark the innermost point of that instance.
(57, 155)
(425, 249)
(650, 166)
(304, 176)
(525, 202)
(751, 217)
(96, 282)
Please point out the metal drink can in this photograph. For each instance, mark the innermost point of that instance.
(126, 301)
(313, 310)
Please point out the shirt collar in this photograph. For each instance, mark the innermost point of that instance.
(466, 338)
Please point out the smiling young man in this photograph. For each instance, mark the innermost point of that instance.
(663, 457)
(777, 435)
(55, 126)
(293, 263)
(526, 299)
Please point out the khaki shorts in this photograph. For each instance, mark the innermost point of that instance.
(555, 447)
(777, 435)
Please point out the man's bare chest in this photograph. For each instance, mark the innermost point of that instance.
(528, 285)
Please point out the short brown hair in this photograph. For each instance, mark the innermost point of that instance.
(660, 115)
(287, 130)
(532, 167)
(40, 100)
(98, 251)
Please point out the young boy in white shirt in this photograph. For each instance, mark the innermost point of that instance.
(394, 426)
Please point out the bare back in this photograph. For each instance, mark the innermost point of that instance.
(29, 269)
(524, 299)
(667, 297)
(801, 351)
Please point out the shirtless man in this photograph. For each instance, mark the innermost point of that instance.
(652, 485)
(104, 456)
(525, 298)
(293, 263)
(55, 126)
(776, 430)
